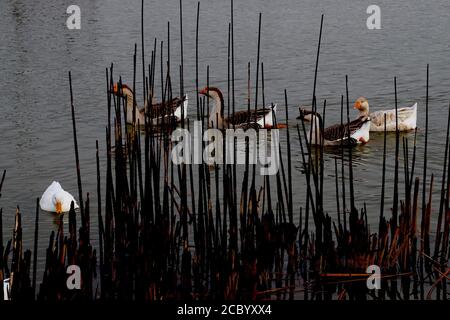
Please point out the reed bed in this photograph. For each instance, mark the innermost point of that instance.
(200, 232)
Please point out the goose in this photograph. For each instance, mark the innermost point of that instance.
(260, 118)
(170, 111)
(407, 116)
(55, 199)
(337, 135)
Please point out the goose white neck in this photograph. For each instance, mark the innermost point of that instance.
(215, 117)
(128, 95)
(364, 110)
(315, 134)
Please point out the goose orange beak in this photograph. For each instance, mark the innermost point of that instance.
(357, 105)
(115, 88)
(58, 207)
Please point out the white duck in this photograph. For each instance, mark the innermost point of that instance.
(172, 110)
(260, 118)
(55, 199)
(407, 117)
(337, 135)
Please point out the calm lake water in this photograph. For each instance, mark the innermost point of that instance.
(37, 51)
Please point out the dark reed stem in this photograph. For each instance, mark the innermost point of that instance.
(196, 60)
(99, 214)
(2, 273)
(1, 182)
(234, 227)
(397, 147)
(249, 89)
(343, 168)
(321, 154)
(75, 142)
(445, 254)
(267, 191)
(350, 165)
(35, 248)
(181, 53)
(383, 181)
(442, 199)
(413, 161)
(406, 174)
(288, 141)
(338, 207)
(143, 51)
(317, 58)
(257, 62)
(424, 180)
(162, 66)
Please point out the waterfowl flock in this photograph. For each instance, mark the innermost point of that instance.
(56, 199)
(176, 110)
(402, 119)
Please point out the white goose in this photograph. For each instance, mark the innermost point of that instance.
(338, 134)
(168, 113)
(55, 199)
(407, 117)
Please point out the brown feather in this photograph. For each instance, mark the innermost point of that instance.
(168, 108)
(241, 117)
(340, 131)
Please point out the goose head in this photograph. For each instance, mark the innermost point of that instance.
(57, 202)
(62, 200)
(305, 114)
(213, 93)
(216, 116)
(362, 105)
(315, 132)
(125, 92)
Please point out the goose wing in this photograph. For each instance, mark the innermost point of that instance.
(46, 202)
(167, 108)
(248, 125)
(246, 116)
(340, 131)
(66, 199)
(407, 112)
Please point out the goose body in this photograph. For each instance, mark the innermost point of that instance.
(407, 117)
(337, 135)
(259, 118)
(172, 111)
(56, 199)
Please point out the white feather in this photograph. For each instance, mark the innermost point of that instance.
(53, 194)
(407, 119)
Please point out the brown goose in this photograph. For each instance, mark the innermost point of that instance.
(170, 111)
(260, 118)
(337, 134)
